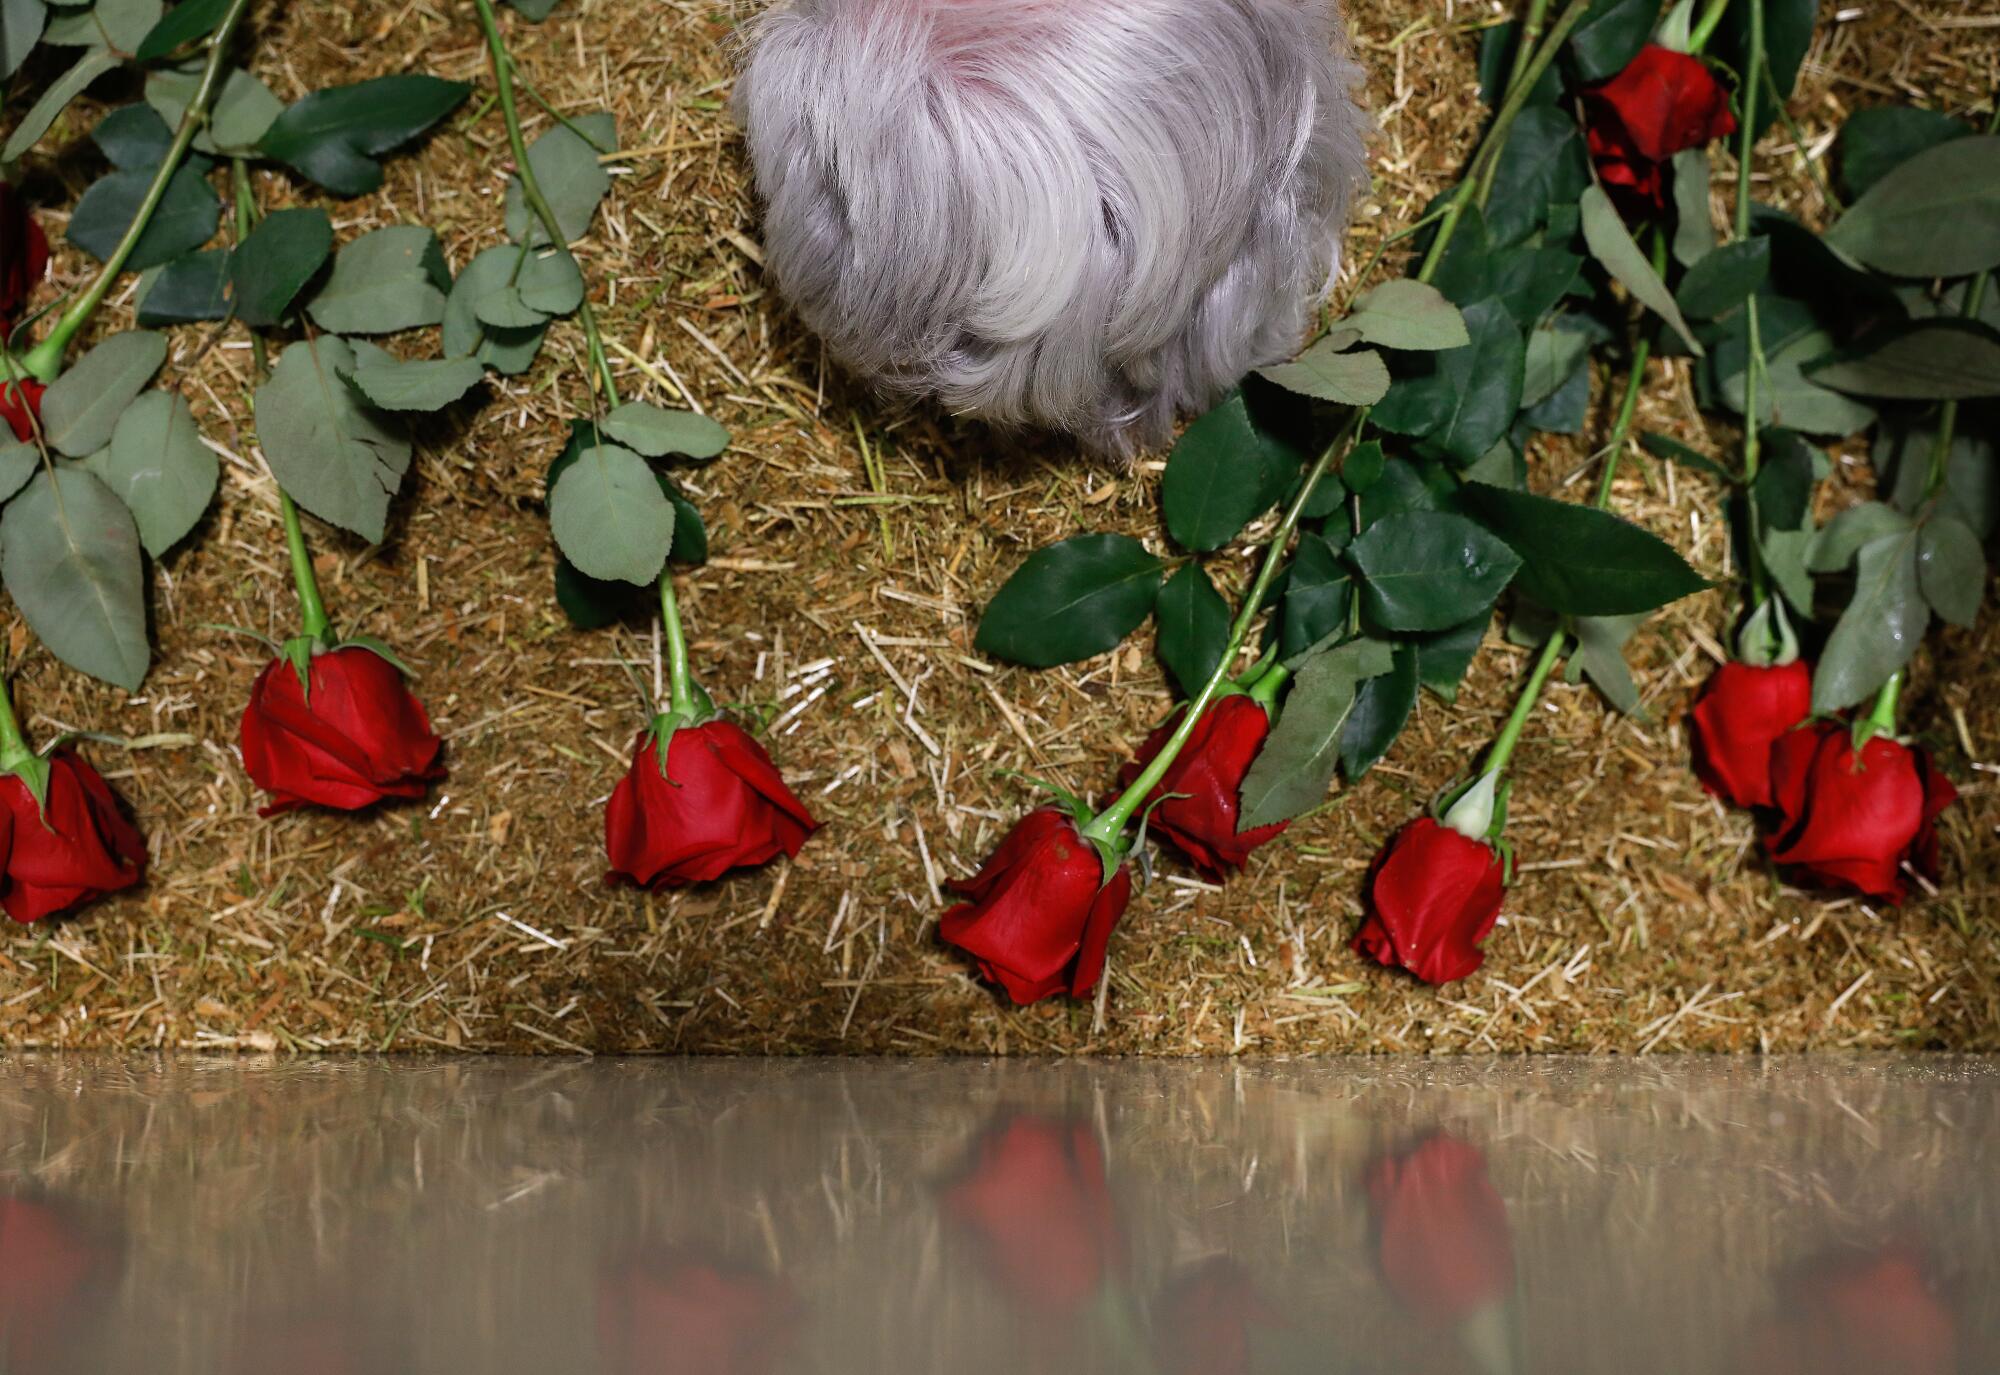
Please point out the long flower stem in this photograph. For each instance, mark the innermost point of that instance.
(1704, 27)
(1531, 692)
(44, 361)
(1109, 825)
(680, 682)
(1754, 365)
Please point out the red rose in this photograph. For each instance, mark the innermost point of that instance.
(21, 406)
(718, 805)
(1205, 1320)
(358, 737)
(1041, 913)
(1441, 1234)
(74, 846)
(1033, 1197)
(1209, 770)
(1877, 1313)
(1432, 896)
(1740, 715)
(674, 1312)
(24, 254)
(1661, 103)
(1853, 820)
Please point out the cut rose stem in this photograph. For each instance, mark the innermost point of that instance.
(1754, 363)
(501, 62)
(44, 360)
(1107, 828)
(312, 610)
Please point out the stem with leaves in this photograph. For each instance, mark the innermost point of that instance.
(1753, 367)
(44, 360)
(1106, 829)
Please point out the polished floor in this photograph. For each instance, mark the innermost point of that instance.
(1774, 1217)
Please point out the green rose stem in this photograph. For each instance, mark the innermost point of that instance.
(683, 695)
(1107, 828)
(44, 360)
(312, 610)
(1704, 27)
(1754, 363)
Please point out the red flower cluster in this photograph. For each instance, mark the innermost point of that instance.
(1432, 896)
(73, 846)
(1208, 775)
(1661, 103)
(1855, 818)
(359, 736)
(1041, 912)
(717, 804)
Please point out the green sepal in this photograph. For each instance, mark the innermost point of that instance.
(379, 649)
(298, 651)
(1506, 849)
(661, 734)
(1139, 839)
(1072, 804)
(33, 771)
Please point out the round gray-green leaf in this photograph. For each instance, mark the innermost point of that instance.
(1935, 215)
(1951, 569)
(158, 466)
(275, 261)
(388, 279)
(610, 517)
(81, 407)
(657, 432)
(340, 459)
(20, 26)
(571, 178)
(1427, 570)
(72, 566)
(504, 308)
(243, 110)
(18, 463)
(1291, 772)
(466, 336)
(551, 283)
(1879, 630)
(1404, 313)
(1076, 598)
(416, 384)
(1325, 373)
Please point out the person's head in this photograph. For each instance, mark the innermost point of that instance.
(1083, 215)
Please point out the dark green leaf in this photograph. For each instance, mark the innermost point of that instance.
(1497, 48)
(1935, 215)
(185, 219)
(336, 456)
(1362, 468)
(1580, 561)
(72, 566)
(1231, 464)
(1788, 27)
(1566, 409)
(133, 138)
(1723, 280)
(593, 603)
(184, 23)
(275, 261)
(1292, 771)
(158, 466)
(81, 407)
(1429, 570)
(1672, 450)
(1876, 141)
(1951, 569)
(1194, 627)
(1382, 707)
(690, 535)
(1542, 164)
(1530, 281)
(535, 11)
(1467, 399)
(334, 136)
(1610, 35)
(1880, 628)
(1924, 360)
(1785, 481)
(1399, 488)
(1317, 592)
(187, 289)
(1071, 600)
(1553, 357)
(389, 279)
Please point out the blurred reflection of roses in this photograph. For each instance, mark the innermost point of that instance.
(48, 1262)
(1204, 1318)
(1877, 1312)
(1441, 1234)
(1031, 1194)
(673, 1311)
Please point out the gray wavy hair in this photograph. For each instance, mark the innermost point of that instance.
(1084, 215)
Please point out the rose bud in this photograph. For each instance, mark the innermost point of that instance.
(1041, 910)
(67, 847)
(1661, 103)
(1208, 772)
(1738, 718)
(356, 737)
(21, 406)
(1205, 1320)
(1435, 891)
(713, 803)
(24, 254)
(671, 1311)
(1852, 818)
(1032, 1196)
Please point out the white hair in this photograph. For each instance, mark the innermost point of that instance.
(1084, 215)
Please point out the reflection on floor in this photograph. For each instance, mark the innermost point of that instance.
(731, 1217)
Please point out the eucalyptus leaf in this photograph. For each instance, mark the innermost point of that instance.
(1599, 655)
(336, 456)
(133, 138)
(1071, 600)
(1404, 313)
(238, 118)
(120, 25)
(1610, 242)
(1725, 279)
(69, 554)
(551, 283)
(1834, 546)
(572, 179)
(1876, 141)
(1694, 223)
(657, 432)
(1789, 398)
(158, 466)
(1322, 372)
(1553, 356)
(54, 99)
(187, 22)
(466, 336)
(19, 461)
(21, 23)
(610, 518)
(81, 407)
